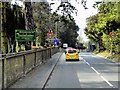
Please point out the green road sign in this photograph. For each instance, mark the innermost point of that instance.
(24, 35)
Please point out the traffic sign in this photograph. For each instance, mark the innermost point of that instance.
(112, 34)
(24, 35)
(55, 42)
(50, 34)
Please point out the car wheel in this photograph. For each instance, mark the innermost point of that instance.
(66, 59)
(77, 59)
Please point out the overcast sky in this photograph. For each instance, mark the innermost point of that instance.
(82, 15)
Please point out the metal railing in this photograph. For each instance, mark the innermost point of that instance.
(15, 66)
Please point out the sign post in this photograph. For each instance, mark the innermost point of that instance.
(112, 35)
(50, 36)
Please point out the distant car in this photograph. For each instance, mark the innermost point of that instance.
(72, 54)
(65, 45)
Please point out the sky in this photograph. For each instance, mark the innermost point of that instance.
(82, 14)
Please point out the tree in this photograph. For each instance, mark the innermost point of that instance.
(69, 35)
(42, 17)
(13, 18)
(25, 20)
(100, 25)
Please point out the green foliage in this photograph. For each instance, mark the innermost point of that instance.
(45, 20)
(29, 21)
(105, 21)
(66, 9)
(117, 41)
(70, 33)
(41, 16)
(13, 19)
(16, 18)
(106, 41)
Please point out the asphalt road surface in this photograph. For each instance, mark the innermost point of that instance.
(90, 72)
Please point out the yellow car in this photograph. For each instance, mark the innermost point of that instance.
(72, 54)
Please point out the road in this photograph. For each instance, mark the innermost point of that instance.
(90, 72)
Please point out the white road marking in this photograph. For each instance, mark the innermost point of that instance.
(78, 77)
(84, 60)
(99, 74)
(106, 81)
(95, 70)
(88, 63)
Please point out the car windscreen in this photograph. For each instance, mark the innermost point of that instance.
(71, 51)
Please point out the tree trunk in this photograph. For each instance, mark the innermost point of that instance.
(29, 21)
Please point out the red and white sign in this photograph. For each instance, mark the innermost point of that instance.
(50, 34)
(112, 34)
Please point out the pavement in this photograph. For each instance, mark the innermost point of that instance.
(37, 78)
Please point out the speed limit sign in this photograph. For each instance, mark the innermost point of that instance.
(112, 34)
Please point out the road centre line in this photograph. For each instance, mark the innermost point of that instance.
(88, 63)
(95, 70)
(99, 74)
(106, 81)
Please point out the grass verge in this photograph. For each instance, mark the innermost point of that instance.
(106, 54)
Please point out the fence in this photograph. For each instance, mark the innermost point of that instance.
(15, 66)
